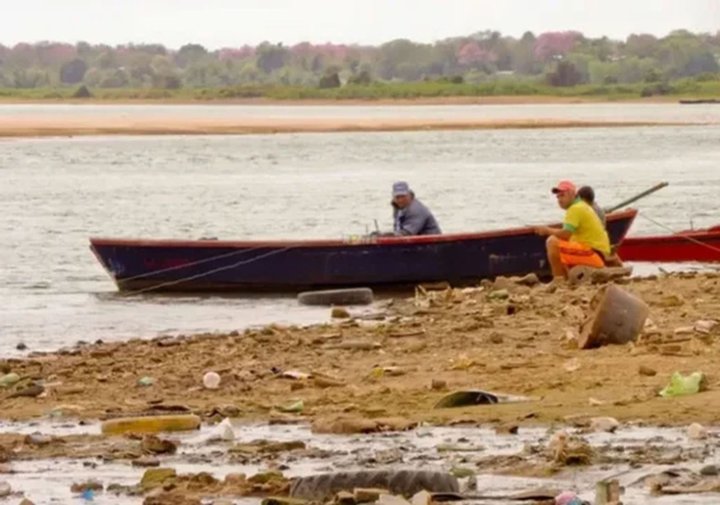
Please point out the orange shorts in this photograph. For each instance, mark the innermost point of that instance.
(574, 254)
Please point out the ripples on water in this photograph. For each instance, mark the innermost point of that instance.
(55, 193)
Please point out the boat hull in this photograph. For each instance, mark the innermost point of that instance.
(283, 266)
(701, 246)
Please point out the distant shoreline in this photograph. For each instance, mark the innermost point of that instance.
(50, 126)
(443, 100)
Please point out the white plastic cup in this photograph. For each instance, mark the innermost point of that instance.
(211, 380)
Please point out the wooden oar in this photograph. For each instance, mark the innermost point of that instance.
(637, 197)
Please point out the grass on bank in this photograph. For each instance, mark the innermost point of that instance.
(686, 88)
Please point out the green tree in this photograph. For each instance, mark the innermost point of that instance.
(73, 71)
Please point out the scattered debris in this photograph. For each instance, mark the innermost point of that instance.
(9, 380)
(684, 385)
(150, 424)
(705, 326)
(293, 407)
(146, 381)
(607, 492)
(618, 318)
(476, 397)
(82, 487)
(211, 380)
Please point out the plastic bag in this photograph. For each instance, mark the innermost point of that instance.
(683, 385)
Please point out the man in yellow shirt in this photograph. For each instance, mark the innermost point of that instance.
(582, 240)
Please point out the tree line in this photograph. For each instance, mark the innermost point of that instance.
(557, 59)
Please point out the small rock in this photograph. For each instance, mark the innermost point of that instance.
(423, 497)
(710, 471)
(594, 402)
(438, 385)
(572, 365)
(339, 313)
(647, 371)
(508, 429)
(155, 477)
(499, 294)
(5, 489)
(295, 386)
(530, 280)
(496, 338)
(684, 330)
(345, 498)
(388, 499)
(155, 445)
(368, 495)
(607, 424)
(29, 392)
(706, 326)
(145, 382)
(21, 347)
(9, 380)
(696, 432)
(323, 382)
(146, 462)
(461, 472)
(25, 501)
(91, 485)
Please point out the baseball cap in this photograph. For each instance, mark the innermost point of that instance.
(563, 186)
(400, 188)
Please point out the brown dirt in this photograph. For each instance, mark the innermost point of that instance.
(516, 346)
(161, 125)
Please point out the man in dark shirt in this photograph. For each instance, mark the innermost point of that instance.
(410, 216)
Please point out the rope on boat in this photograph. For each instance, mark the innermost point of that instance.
(681, 235)
(209, 272)
(193, 263)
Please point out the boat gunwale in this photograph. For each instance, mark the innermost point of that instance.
(379, 241)
(678, 237)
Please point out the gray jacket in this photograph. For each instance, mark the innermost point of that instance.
(415, 219)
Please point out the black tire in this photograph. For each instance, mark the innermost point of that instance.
(354, 296)
(399, 482)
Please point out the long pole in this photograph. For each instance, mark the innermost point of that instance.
(637, 197)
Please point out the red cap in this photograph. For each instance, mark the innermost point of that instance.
(564, 186)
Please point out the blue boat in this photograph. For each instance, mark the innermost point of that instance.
(293, 266)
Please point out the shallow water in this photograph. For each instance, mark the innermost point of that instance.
(666, 112)
(55, 193)
(419, 449)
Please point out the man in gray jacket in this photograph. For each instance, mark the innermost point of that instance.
(410, 216)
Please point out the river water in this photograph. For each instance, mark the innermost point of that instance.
(57, 192)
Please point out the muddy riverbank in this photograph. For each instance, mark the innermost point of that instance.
(401, 362)
(360, 394)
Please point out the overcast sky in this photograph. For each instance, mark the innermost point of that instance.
(221, 23)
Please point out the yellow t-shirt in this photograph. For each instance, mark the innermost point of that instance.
(586, 228)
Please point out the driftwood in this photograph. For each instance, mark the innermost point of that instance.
(619, 317)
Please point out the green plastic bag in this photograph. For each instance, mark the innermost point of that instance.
(683, 385)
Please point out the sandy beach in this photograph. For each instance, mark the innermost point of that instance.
(158, 125)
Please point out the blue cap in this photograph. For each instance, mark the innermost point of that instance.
(400, 188)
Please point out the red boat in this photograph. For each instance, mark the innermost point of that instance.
(693, 245)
